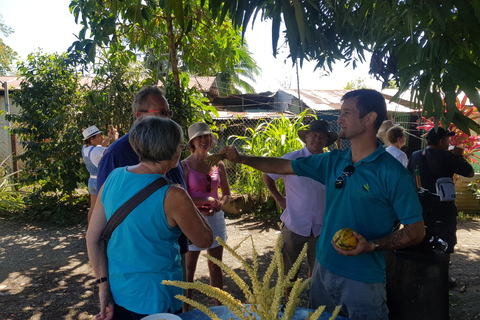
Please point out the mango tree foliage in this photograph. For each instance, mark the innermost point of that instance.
(7, 55)
(47, 125)
(182, 32)
(430, 47)
(109, 94)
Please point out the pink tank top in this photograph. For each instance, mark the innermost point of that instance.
(197, 184)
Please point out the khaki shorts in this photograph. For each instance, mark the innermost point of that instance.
(292, 245)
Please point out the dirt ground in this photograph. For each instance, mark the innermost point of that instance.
(45, 274)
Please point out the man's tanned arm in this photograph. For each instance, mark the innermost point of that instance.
(409, 235)
(264, 164)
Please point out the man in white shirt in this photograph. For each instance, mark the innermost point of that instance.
(304, 202)
(397, 138)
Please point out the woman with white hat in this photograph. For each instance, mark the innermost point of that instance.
(203, 182)
(92, 151)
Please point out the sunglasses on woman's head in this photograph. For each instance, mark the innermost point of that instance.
(347, 172)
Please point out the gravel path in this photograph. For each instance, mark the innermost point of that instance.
(45, 274)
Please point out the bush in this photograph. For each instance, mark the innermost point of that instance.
(47, 127)
(10, 197)
(60, 211)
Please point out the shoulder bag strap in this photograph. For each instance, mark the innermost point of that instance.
(122, 212)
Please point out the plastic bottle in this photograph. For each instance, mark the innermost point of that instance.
(417, 177)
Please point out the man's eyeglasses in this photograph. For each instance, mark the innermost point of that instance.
(347, 172)
(182, 146)
(209, 181)
(163, 113)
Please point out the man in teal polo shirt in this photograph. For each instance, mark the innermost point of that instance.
(366, 190)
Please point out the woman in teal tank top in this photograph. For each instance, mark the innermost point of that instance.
(143, 250)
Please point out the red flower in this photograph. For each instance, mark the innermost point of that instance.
(469, 144)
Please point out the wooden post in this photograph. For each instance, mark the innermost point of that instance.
(13, 139)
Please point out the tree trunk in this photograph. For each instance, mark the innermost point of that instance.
(172, 48)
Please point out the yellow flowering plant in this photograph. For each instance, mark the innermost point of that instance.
(264, 300)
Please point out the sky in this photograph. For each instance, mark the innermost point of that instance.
(49, 25)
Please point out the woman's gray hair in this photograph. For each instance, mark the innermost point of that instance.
(155, 139)
(142, 95)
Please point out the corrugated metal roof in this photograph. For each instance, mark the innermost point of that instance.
(323, 100)
(201, 83)
(228, 115)
(13, 82)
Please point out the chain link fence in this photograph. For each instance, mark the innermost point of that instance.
(238, 127)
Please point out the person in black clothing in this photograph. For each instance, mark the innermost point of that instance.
(436, 161)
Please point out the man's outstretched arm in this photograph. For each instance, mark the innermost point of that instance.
(264, 164)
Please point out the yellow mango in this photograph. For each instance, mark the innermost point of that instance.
(345, 240)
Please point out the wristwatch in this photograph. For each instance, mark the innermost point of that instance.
(376, 244)
(104, 279)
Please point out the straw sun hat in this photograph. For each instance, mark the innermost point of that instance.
(199, 129)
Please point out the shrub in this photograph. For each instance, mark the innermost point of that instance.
(10, 197)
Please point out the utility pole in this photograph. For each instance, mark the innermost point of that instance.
(298, 81)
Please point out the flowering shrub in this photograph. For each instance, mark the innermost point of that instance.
(469, 143)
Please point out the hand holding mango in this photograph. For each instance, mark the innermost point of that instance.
(345, 240)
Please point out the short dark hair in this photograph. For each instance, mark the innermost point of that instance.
(155, 139)
(88, 141)
(142, 96)
(394, 133)
(369, 100)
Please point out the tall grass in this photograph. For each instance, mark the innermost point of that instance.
(10, 197)
(272, 139)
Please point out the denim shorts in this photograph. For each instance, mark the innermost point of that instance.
(92, 186)
(359, 300)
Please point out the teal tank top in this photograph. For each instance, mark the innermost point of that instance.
(143, 250)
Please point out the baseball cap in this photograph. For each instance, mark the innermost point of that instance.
(439, 134)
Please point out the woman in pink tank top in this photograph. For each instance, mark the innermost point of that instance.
(203, 182)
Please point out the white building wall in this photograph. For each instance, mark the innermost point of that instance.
(5, 139)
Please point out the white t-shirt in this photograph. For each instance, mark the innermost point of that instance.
(95, 155)
(398, 154)
(305, 200)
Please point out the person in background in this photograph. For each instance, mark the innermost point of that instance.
(434, 162)
(149, 101)
(366, 190)
(92, 151)
(304, 200)
(143, 250)
(382, 131)
(397, 138)
(203, 181)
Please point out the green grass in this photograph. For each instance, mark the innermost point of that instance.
(468, 216)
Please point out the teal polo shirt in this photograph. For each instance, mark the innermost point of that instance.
(379, 190)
